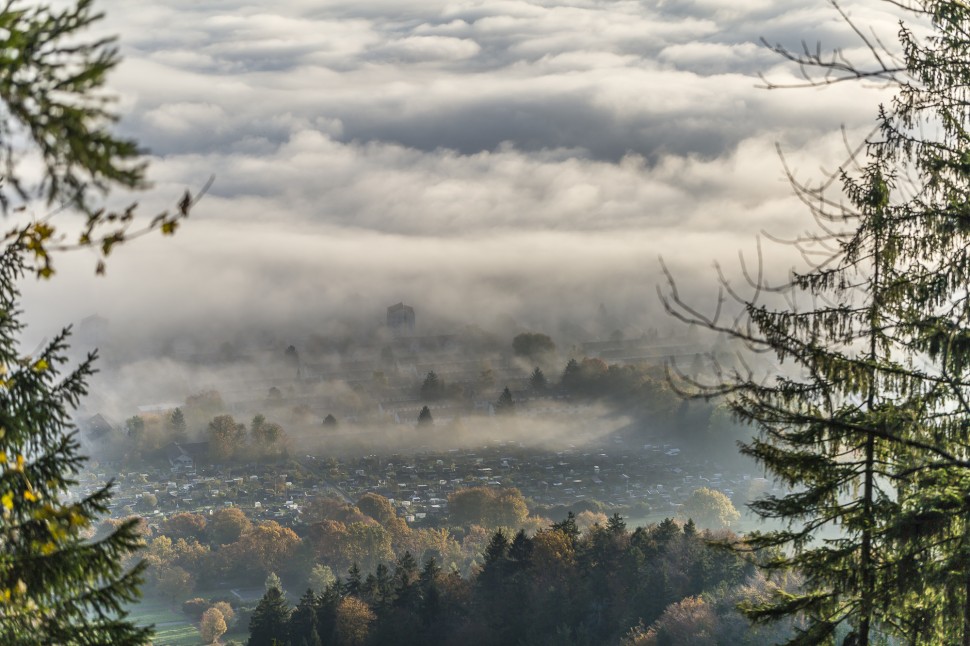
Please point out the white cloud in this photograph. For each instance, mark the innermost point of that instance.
(511, 153)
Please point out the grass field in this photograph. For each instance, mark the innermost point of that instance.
(171, 627)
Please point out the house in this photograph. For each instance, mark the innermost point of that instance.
(178, 458)
(97, 429)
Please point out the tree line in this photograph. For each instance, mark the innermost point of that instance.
(662, 584)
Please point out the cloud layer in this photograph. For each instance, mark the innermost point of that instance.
(479, 159)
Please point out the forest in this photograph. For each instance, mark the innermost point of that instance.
(664, 584)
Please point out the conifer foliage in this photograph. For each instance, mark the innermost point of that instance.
(56, 587)
(865, 419)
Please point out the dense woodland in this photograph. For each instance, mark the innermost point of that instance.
(664, 584)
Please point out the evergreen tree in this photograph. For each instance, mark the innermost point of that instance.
(616, 524)
(425, 418)
(383, 586)
(55, 586)
(353, 585)
(432, 389)
(850, 397)
(431, 597)
(177, 424)
(537, 382)
(867, 425)
(568, 527)
(273, 581)
(406, 592)
(505, 404)
(497, 549)
(520, 550)
(571, 375)
(932, 536)
(269, 621)
(303, 621)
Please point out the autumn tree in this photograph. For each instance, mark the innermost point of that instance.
(227, 612)
(268, 438)
(710, 508)
(173, 582)
(267, 547)
(225, 437)
(487, 507)
(212, 625)
(147, 502)
(377, 507)
(184, 525)
(533, 345)
(227, 525)
(354, 618)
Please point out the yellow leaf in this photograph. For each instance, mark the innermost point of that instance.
(7, 500)
(41, 365)
(29, 496)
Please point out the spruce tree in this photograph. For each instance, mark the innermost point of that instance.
(537, 382)
(268, 624)
(867, 425)
(505, 405)
(303, 622)
(178, 426)
(934, 491)
(56, 587)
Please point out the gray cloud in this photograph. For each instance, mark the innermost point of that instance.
(529, 158)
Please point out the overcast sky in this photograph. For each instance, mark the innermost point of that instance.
(526, 158)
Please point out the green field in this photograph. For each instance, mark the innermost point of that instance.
(171, 627)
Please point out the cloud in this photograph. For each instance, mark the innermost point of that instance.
(529, 158)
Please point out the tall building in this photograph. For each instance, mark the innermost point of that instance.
(400, 319)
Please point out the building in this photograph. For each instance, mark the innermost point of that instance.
(400, 319)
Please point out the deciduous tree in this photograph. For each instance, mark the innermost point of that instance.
(213, 625)
(710, 508)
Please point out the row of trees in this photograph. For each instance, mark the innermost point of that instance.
(228, 439)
